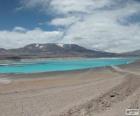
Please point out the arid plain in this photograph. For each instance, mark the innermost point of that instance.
(107, 91)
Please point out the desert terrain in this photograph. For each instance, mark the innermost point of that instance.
(106, 91)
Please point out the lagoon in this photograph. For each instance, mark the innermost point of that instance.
(50, 65)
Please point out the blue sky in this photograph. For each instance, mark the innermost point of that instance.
(12, 16)
(110, 25)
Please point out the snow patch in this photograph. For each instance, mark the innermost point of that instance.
(37, 45)
(41, 46)
(60, 45)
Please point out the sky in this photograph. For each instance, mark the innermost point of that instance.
(107, 25)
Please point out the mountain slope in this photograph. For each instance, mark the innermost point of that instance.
(52, 51)
(133, 53)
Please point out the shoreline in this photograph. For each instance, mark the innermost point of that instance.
(66, 71)
(102, 92)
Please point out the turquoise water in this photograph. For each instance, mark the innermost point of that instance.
(61, 65)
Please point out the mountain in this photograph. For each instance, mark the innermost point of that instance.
(51, 50)
(133, 53)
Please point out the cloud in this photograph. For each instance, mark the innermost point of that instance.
(95, 24)
(20, 29)
(66, 21)
(20, 37)
(101, 30)
(64, 6)
(69, 6)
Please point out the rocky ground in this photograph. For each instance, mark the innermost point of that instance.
(97, 92)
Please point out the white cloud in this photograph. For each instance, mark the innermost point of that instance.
(16, 38)
(65, 6)
(67, 21)
(95, 24)
(101, 30)
(20, 29)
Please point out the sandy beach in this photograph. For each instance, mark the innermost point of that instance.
(107, 91)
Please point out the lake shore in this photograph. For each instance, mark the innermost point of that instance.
(107, 91)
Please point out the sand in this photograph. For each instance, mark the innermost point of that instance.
(107, 91)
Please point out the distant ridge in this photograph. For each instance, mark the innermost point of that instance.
(51, 50)
(133, 53)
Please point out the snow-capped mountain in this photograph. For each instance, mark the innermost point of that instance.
(51, 50)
